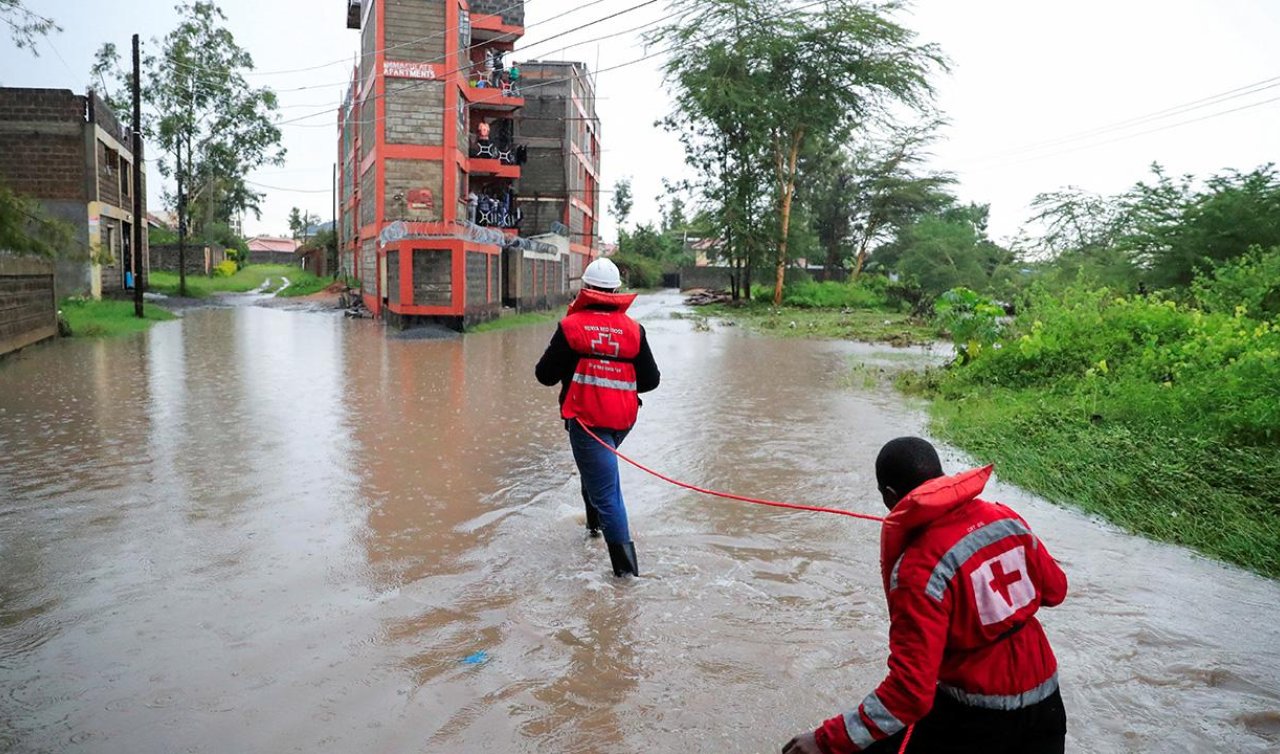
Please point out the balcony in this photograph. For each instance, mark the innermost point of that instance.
(491, 210)
(480, 93)
(492, 17)
(495, 158)
(354, 12)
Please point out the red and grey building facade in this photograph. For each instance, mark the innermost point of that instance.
(433, 220)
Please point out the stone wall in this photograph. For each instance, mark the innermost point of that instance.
(404, 178)
(415, 112)
(432, 277)
(28, 308)
(42, 143)
(415, 30)
(393, 277)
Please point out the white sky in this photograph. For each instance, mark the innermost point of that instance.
(1024, 73)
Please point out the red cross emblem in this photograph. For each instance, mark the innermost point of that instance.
(1001, 581)
(603, 342)
(1002, 585)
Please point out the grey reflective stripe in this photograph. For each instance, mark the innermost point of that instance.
(880, 715)
(1003, 701)
(857, 730)
(961, 551)
(893, 575)
(587, 379)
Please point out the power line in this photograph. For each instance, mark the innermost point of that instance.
(342, 61)
(524, 50)
(1135, 135)
(1214, 99)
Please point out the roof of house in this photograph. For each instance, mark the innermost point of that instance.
(270, 243)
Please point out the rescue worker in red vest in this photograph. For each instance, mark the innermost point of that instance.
(969, 663)
(601, 358)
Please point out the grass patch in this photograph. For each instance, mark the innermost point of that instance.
(99, 319)
(517, 320)
(301, 283)
(847, 324)
(1151, 478)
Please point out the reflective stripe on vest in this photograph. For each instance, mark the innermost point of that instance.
(1003, 701)
(587, 379)
(960, 552)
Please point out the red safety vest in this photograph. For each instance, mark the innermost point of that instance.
(964, 578)
(603, 390)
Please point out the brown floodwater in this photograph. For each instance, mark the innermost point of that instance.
(265, 530)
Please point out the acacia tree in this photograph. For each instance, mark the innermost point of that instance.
(724, 147)
(211, 126)
(26, 27)
(802, 75)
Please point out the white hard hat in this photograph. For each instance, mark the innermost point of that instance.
(602, 273)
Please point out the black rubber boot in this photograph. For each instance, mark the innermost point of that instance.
(623, 557)
(593, 517)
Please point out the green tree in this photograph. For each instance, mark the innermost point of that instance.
(801, 76)
(862, 195)
(203, 115)
(26, 27)
(950, 249)
(25, 229)
(621, 203)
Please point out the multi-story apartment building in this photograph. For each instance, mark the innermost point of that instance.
(434, 221)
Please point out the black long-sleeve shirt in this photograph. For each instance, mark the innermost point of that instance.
(559, 362)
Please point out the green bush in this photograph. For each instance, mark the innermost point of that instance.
(1143, 359)
(225, 268)
(638, 271)
(975, 322)
(863, 294)
(1251, 281)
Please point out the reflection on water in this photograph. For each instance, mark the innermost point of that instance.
(263, 530)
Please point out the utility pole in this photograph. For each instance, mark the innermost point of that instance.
(333, 206)
(139, 222)
(182, 229)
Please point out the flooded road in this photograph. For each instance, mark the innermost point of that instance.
(266, 530)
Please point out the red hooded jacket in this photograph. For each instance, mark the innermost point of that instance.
(964, 579)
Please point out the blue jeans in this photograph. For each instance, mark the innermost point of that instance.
(600, 484)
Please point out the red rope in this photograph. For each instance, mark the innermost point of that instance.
(906, 739)
(726, 495)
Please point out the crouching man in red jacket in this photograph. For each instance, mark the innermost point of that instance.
(969, 663)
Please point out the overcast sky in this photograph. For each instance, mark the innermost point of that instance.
(1025, 77)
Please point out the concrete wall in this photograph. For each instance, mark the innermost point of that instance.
(271, 257)
(200, 259)
(718, 277)
(28, 309)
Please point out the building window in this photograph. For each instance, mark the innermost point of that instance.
(126, 178)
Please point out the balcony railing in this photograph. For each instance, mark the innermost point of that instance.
(492, 212)
(508, 153)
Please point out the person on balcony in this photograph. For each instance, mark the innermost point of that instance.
(601, 359)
